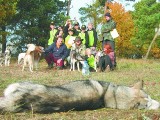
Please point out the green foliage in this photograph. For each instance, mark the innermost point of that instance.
(146, 19)
(89, 13)
(102, 2)
(7, 11)
(31, 23)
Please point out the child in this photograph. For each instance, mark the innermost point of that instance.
(90, 59)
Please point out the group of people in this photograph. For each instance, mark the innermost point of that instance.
(73, 37)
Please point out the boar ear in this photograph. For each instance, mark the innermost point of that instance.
(138, 85)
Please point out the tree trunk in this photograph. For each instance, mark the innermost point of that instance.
(68, 7)
(3, 39)
(150, 46)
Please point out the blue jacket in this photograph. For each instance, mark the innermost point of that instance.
(58, 53)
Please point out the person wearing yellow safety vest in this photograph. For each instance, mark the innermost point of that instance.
(92, 36)
(69, 40)
(84, 35)
(53, 33)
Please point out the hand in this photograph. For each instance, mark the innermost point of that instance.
(68, 22)
(59, 60)
(93, 48)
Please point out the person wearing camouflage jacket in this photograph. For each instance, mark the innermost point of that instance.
(79, 48)
(105, 31)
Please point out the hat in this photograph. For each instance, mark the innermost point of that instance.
(52, 23)
(83, 27)
(76, 23)
(78, 39)
(108, 14)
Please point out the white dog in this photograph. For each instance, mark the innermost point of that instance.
(32, 56)
(21, 58)
(29, 57)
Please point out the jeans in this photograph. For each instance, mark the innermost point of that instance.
(51, 59)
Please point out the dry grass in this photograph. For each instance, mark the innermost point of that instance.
(128, 71)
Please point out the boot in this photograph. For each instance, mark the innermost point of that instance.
(50, 65)
(59, 68)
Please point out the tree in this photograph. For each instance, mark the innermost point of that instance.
(7, 11)
(31, 23)
(103, 2)
(146, 19)
(149, 48)
(89, 13)
(68, 6)
(124, 27)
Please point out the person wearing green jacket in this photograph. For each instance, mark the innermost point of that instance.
(108, 26)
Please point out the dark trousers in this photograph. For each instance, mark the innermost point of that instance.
(104, 62)
(51, 59)
(112, 44)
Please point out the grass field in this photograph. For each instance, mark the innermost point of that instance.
(128, 72)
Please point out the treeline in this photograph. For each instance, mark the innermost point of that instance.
(27, 21)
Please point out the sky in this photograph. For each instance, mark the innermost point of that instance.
(75, 6)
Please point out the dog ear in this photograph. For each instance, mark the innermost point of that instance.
(28, 45)
(31, 47)
(39, 49)
(138, 85)
(42, 49)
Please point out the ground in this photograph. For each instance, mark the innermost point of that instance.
(128, 71)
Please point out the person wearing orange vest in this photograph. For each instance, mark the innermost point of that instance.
(84, 35)
(53, 33)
